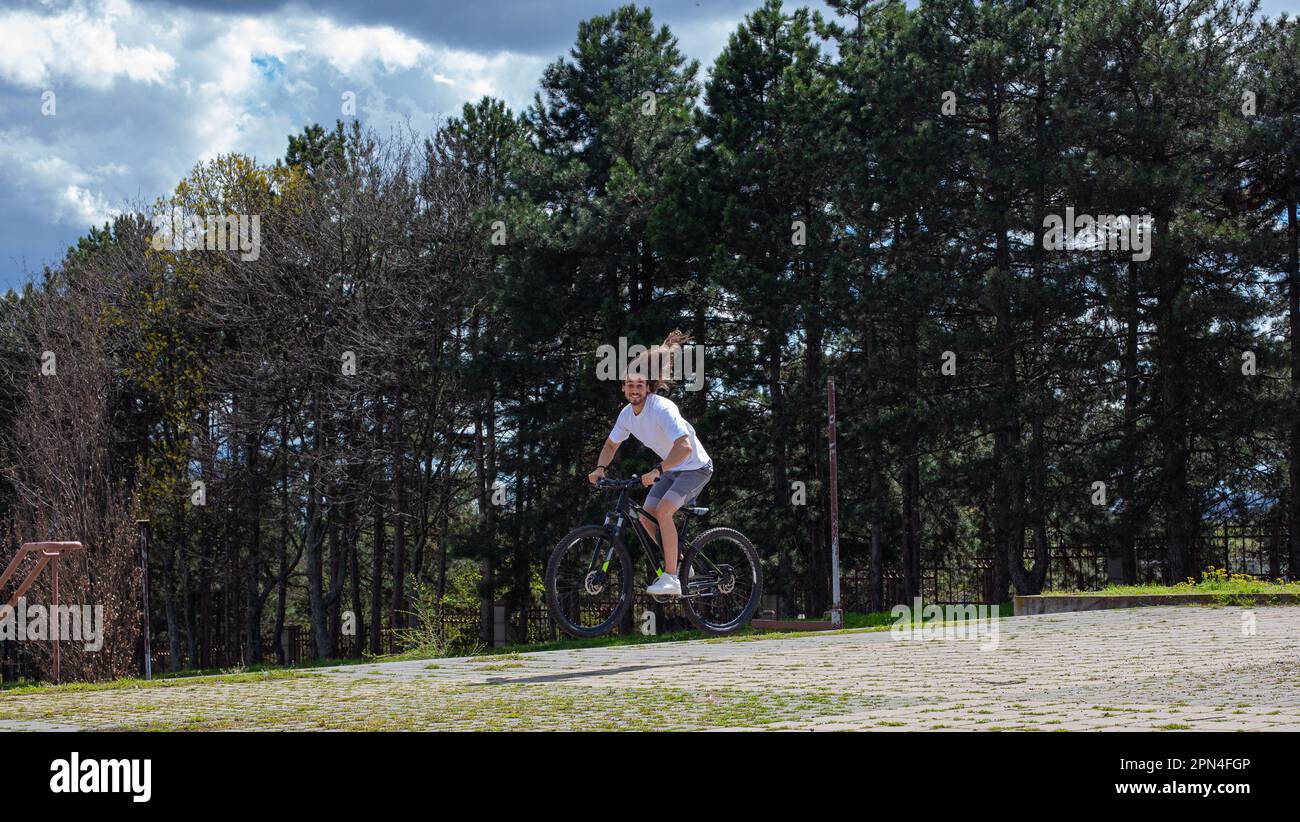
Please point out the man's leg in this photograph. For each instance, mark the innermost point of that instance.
(664, 535)
(668, 532)
(651, 506)
(651, 524)
(665, 504)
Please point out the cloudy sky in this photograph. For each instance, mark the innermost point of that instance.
(144, 89)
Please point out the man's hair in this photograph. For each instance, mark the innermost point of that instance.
(656, 365)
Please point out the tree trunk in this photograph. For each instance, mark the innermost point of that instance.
(377, 580)
(1180, 515)
(1031, 580)
(1293, 311)
(878, 489)
(398, 616)
(336, 573)
(1008, 482)
(1121, 567)
(253, 582)
(815, 427)
(314, 539)
(229, 637)
(911, 469)
(355, 644)
(169, 606)
(205, 612)
(876, 590)
(485, 438)
(282, 585)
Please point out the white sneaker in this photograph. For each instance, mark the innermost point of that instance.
(666, 585)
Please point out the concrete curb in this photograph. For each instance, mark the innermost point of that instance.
(1030, 605)
(791, 625)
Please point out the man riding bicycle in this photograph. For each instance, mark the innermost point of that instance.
(684, 466)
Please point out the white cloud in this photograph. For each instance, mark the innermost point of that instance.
(49, 168)
(82, 207)
(51, 184)
(222, 79)
(110, 170)
(354, 49)
(705, 40)
(473, 75)
(74, 47)
(314, 61)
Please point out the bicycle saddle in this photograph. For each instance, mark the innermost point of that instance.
(691, 508)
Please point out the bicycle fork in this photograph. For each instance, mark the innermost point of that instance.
(611, 529)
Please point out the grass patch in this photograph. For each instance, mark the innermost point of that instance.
(1215, 581)
(20, 688)
(607, 641)
(413, 705)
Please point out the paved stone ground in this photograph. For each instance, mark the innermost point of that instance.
(1177, 668)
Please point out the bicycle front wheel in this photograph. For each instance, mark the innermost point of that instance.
(588, 582)
(722, 581)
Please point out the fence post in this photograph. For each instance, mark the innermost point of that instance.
(291, 644)
(54, 618)
(498, 625)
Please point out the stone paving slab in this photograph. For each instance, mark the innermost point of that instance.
(1174, 668)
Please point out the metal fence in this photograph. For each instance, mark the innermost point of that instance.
(1240, 549)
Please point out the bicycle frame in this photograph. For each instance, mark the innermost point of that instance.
(614, 520)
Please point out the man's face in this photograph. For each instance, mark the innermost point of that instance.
(634, 388)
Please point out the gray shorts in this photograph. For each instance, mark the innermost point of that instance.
(679, 487)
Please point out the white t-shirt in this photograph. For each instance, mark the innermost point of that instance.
(659, 425)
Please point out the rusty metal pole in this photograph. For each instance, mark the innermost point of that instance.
(144, 569)
(837, 611)
(54, 616)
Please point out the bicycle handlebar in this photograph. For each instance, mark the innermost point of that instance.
(608, 484)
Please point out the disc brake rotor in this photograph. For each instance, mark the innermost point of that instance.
(727, 583)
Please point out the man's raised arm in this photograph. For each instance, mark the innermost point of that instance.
(602, 462)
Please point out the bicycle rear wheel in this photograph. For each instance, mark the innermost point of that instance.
(586, 595)
(722, 581)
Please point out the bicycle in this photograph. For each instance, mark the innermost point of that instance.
(590, 574)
